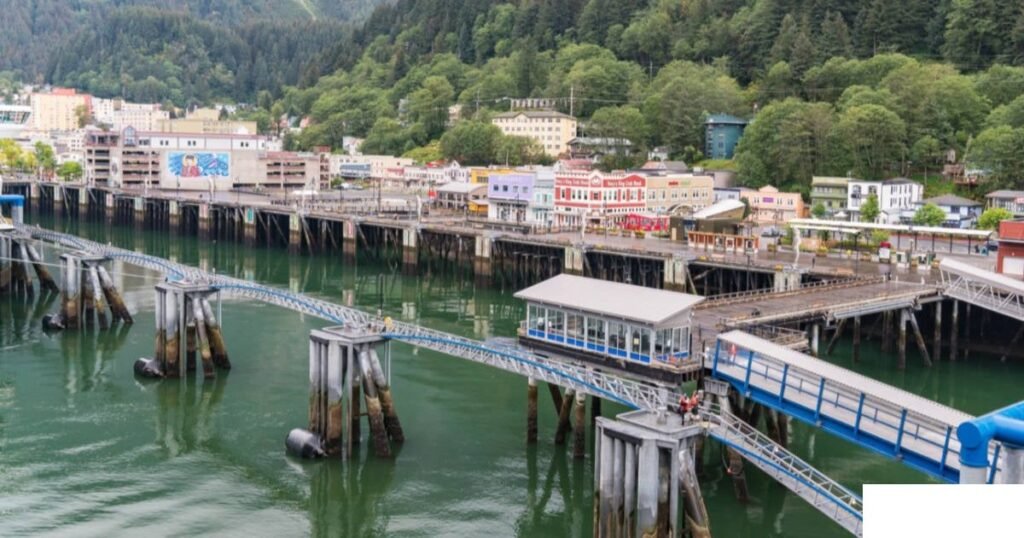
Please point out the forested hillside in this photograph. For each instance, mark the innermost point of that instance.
(33, 30)
(870, 87)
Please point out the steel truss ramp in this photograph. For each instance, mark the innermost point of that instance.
(894, 423)
(986, 289)
(512, 358)
(826, 495)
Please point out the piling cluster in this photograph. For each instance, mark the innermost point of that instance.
(184, 314)
(88, 292)
(345, 373)
(18, 259)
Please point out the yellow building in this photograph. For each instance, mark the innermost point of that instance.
(58, 110)
(667, 193)
(552, 130)
(207, 126)
(479, 174)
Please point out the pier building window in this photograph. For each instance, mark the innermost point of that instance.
(617, 343)
(535, 319)
(556, 324)
(575, 332)
(640, 342)
(595, 333)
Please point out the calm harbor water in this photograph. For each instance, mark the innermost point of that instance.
(88, 450)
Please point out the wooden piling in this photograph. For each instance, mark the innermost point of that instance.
(46, 281)
(968, 327)
(23, 263)
(355, 427)
(5, 263)
(937, 339)
(856, 339)
(117, 307)
(71, 275)
(556, 395)
(563, 416)
(531, 410)
(332, 390)
(695, 512)
(902, 357)
(954, 330)
(97, 296)
(200, 335)
(213, 331)
(595, 409)
(835, 336)
(190, 341)
(919, 338)
(387, 402)
(735, 462)
(374, 414)
(579, 440)
(172, 351)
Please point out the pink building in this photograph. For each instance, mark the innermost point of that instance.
(769, 206)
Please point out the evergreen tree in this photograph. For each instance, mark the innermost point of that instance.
(834, 37)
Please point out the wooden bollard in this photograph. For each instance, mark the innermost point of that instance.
(46, 281)
(387, 402)
(99, 305)
(563, 416)
(114, 299)
(531, 410)
(200, 335)
(374, 414)
(213, 331)
(579, 436)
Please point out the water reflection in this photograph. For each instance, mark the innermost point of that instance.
(363, 482)
(184, 416)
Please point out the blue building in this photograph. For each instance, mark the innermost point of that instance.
(721, 134)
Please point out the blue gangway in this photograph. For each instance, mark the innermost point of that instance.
(893, 422)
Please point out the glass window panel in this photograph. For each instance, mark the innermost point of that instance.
(595, 331)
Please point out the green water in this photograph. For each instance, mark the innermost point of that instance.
(88, 450)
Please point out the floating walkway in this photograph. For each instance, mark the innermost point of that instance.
(986, 289)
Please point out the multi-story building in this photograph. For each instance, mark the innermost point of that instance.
(14, 120)
(119, 114)
(769, 206)
(434, 174)
(133, 159)
(510, 195)
(206, 121)
(59, 109)
(831, 192)
(597, 198)
(667, 193)
(731, 193)
(379, 166)
(895, 198)
(552, 130)
(960, 212)
(1012, 201)
(721, 134)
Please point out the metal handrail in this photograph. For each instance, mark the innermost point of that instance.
(838, 283)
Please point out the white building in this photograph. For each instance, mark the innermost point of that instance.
(895, 197)
(381, 166)
(119, 114)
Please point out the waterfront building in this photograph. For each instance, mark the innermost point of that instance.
(721, 134)
(896, 197)
(14, 120)
(385, 167)
(552, 130)
(118, 114)
(1010, 256)
(433, 174)
(591, 148)
(770, 206)
(206, 121)
(462, 196)
(960, 212)
(832, 192)
(58, 109)
(620, 326)
(134, 159)
(1012, 201)
(597, 198)
(667, 193)
(731, 193)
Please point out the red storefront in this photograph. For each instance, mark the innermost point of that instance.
(646, 222)
(1010, 260)
(598, 199)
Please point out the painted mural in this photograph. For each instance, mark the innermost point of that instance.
(199, 164)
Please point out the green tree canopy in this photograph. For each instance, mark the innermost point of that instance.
(869, 209)
(471, 143)
(874, 136)
(70, 171)
(929, 215)
(992, 216)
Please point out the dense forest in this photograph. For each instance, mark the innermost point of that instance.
(872, 88)
(114, 47)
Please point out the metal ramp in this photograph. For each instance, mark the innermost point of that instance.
(829, 497)
(890, 421)
(983, 288)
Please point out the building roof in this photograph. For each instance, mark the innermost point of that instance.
(648, 306)
(951, 200)
(1005, 194)
(601, 142)
(725, 118)
(534, 114)
(831, 180)
(461, 187)
(900, 181)
(717, 209)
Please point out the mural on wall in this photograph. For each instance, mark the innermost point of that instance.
(199, 164)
